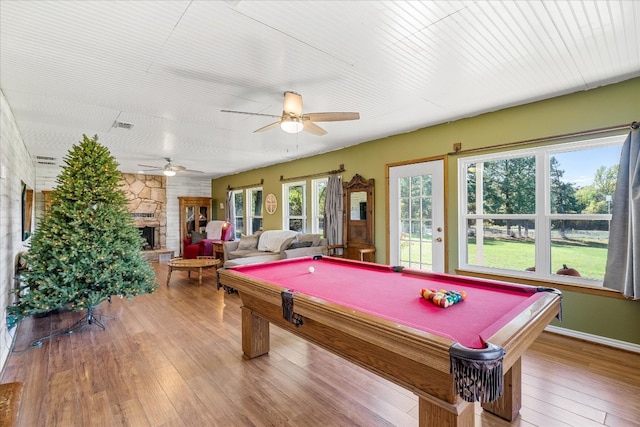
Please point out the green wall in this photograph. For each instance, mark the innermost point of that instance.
(597, 108)
(608, 317)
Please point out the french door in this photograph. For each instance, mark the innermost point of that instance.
(416, 216)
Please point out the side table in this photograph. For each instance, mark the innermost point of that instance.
(218, 250)
(190, 265)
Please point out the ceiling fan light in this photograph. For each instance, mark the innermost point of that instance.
(291, 124)
(169, 172)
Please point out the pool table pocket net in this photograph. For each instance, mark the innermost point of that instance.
(477, 374)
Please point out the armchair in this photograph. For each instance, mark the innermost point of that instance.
(196, 245)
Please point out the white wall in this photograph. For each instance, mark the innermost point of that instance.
(181, 186)
(16, 166)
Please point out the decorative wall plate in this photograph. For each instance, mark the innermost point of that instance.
(271, 203)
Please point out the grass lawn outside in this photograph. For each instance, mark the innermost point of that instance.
(589, 260)
(584, 251)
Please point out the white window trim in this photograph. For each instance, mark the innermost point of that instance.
(248, 203)
(234, 194)
(315, 204)
(285, 205)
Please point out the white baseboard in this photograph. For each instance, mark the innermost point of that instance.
(623, 345)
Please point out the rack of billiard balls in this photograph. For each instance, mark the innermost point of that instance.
(443, 298)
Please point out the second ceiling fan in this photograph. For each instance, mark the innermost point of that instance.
(169, 169)
(293, 121)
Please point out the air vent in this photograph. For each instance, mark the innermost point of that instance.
(122, 125)
(46, 160)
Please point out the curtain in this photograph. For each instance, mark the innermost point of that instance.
(229, 211)
(333, 211)
(623, 255)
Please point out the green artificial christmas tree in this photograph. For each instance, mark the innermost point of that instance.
(87, 248)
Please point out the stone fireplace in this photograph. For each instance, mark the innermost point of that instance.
(147, 201)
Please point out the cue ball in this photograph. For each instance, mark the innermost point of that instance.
(311, 269)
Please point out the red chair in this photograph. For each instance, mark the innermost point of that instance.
(204, 247)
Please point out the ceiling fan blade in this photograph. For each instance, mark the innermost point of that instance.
(313, 128)
(331, 117)
(192, 171)
(267, 127)
(152, 167)
(250, 114)
(175, 168)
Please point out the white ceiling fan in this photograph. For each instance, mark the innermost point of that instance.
(169, 169)
(293, 121)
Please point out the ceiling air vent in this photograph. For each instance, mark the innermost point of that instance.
(122, 125)
(46, 160)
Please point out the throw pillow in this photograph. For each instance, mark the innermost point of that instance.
(313, 238)
(297, 245)
(248, 242)
(285, 245)
(196, 237)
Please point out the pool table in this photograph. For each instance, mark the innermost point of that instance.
(374, 316)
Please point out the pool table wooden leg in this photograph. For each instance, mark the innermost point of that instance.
(255, 334)
(508, 405)
(434, 412)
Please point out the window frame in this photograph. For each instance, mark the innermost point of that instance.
(286, 216)
(250, 215)
(238, 231)
(316, 215)
(542, 216)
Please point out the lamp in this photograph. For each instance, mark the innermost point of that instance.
(291, 124)
(169, 172)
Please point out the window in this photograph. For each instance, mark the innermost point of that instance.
(538, 211)
(319, 194)
(294, 210)
(254, 210)
(238, 212)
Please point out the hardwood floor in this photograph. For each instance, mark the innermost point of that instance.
(173, 358)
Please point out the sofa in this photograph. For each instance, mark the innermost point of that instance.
(201, 244)
(271, 245)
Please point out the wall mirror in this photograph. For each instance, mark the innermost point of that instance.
(358, 224)
(27, 210)
(358, 205)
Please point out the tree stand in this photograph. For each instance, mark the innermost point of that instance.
(90, 318)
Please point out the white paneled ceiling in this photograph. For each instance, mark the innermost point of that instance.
(69, 68)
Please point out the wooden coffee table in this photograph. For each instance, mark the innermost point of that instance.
(190, 265)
